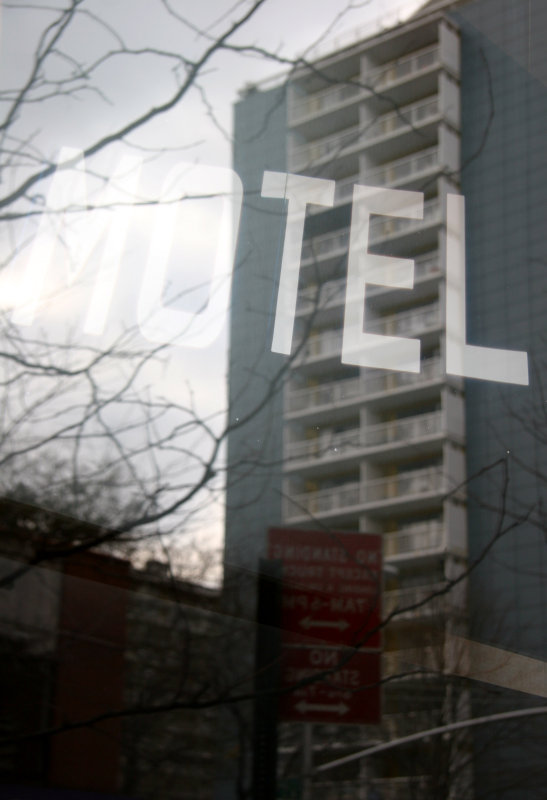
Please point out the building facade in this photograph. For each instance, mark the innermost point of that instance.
(370, 450)
(426, 107)
(86, 643)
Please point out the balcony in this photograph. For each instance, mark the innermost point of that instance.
(328, 445)
(312, 399)
(333, 293)
(411, 483)
(413, 540)
(405, 68)
(407, 117)
(413, 323)
(390, 74)
(390, 227)
(406, 429)
(330, 245)
(343, 194)
(325, 501)
(328, 147)
(426, 267)
(320, 346)
(380, 384)
(358, 136)
(402, 489)
(325, 101)
(325, 246)
(331, 445)
(408, 323)
(324, 395)
(403, 170)
(400, 172)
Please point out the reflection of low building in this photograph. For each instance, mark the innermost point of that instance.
(92, 639)
(171, 642)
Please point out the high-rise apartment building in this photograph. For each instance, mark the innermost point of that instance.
(453, 101)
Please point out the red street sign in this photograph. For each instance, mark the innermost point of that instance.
(332, 584)
(340, 697)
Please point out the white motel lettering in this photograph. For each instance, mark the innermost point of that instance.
(160, 323)
(368, 349)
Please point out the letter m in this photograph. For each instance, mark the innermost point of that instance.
(68, 233)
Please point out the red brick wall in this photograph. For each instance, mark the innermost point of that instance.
(89, 677)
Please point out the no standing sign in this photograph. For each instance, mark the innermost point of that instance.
(331, 608)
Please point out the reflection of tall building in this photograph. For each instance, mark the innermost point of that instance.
(428, 106)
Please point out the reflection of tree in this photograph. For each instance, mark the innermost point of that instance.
(83, 430)
(84, 416)
(155, 463)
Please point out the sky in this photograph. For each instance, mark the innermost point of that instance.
(282, 27)
(165, 152)
(305, 28)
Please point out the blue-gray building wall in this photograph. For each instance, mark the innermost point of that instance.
(256, 375)
(504, 181)
(255, 385)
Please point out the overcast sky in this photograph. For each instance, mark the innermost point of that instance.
(200, 126)
(284, 27)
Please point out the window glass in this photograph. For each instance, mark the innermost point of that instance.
(272, 399)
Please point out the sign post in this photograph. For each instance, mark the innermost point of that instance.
(267, 674)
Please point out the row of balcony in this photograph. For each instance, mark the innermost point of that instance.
(359, 136)
(415, 322)
(413, 539)
(408, 116)
(356, 88)
(392, 173)
(328, 147)
(333, 244)
(387, 227)
(357, 496)
(333, 393)
(402, 169)
(329, 444)
(328, 244)
(326, 100)
(404, 68)
(333, 293)
(408, 322)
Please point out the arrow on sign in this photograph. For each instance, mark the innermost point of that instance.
(308, 623)
(340, 708)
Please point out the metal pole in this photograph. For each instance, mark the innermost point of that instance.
(307, 760)
(453, 726)
(268, 651)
